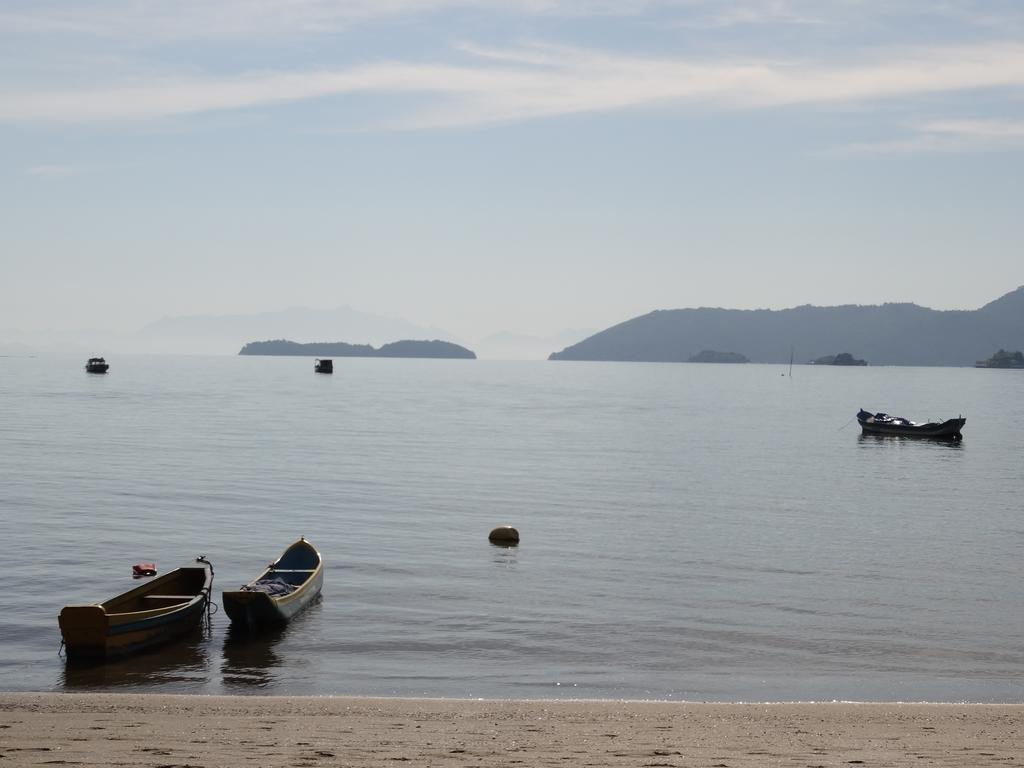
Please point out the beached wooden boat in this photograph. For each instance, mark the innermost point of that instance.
(884, 424)
(149, 615)
(287, 586)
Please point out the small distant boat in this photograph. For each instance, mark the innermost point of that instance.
(324, 366)
(287, 586)
(884, 424)
(96, 365)
(155, 613)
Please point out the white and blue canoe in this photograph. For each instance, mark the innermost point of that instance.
(285, 587)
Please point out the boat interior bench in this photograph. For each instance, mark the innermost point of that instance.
(168, 597)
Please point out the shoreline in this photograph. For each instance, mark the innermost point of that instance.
(163, 730)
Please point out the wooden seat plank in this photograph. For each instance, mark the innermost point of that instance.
(168, 597)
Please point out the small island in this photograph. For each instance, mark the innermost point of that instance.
(406, 348)
(843, 358)
(711, 356)
(1002, 359)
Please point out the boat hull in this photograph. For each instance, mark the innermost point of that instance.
(255, 608)
(143, 618)
(250, 607)
(948, 430)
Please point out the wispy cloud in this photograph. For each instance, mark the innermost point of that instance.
(502, 84)
(154, 20)
(984, 130)
(158, 20)
(721, 15)
(948, 136)
(56, 170)
(142, 21)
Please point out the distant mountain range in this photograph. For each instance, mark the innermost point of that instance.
(889, 334)
(405, 348)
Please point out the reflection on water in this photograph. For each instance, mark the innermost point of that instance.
(504, 556)
(177, 665)
(871, 440)
(251, 658)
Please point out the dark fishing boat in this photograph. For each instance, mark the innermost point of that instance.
(96, 365)
(884, 424)
(287, 586)
(324, 366)
(154, 613)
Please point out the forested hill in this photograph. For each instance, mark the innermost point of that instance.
(436, 349)
(890, 334)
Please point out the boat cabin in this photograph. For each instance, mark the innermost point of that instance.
(96, 365)
(324, 366)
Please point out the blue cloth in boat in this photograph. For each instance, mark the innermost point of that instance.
(275, 587)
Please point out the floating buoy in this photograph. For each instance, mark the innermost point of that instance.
(504, 536)
(144, 569)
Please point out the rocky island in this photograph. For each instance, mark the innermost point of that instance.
(843, 358)
(405, 348)
(1003, 359)
(711, 356)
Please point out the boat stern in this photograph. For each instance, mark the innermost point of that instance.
(84, 630)
(249, 608)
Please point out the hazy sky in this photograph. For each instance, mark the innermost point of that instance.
(528, 165)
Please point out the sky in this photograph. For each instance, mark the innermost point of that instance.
(505, 165)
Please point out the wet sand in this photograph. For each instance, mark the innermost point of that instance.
(210, 731)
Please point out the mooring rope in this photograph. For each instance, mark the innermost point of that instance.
(211, 607)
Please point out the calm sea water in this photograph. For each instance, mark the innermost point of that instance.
(692, 532)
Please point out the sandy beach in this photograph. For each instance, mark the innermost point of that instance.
(164, 731)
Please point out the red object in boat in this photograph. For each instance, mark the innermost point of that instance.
(144, 569)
